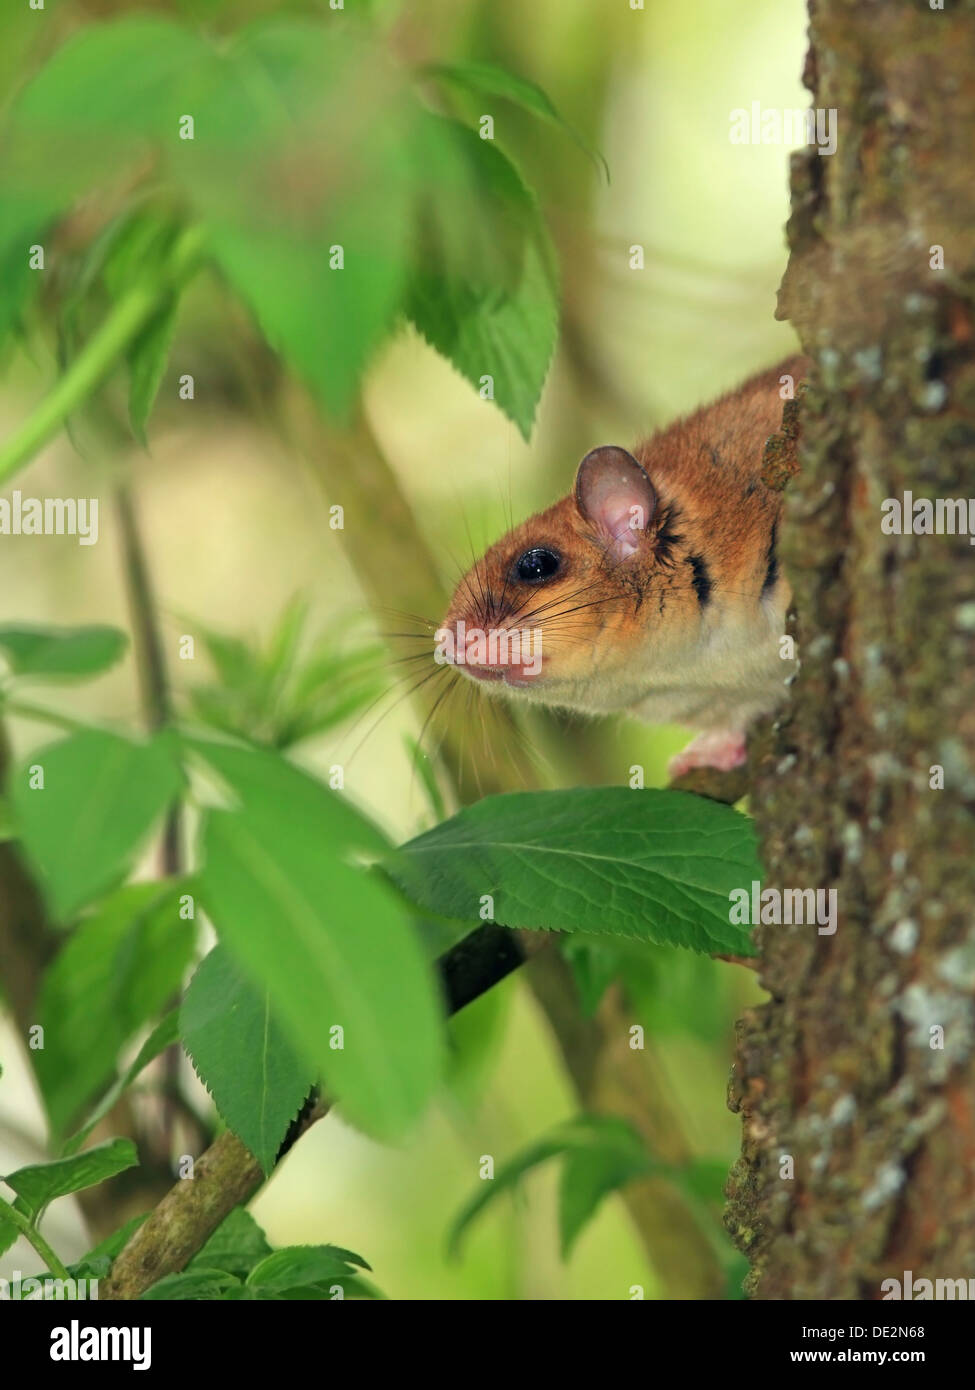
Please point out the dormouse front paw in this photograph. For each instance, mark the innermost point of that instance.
(722, 749)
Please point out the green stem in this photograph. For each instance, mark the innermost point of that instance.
(26, 710)
(89, 369)
(18, 1219)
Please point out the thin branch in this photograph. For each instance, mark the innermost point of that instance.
(33, 1235)
(228, 1175)
(156, 700)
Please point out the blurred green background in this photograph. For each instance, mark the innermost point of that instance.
(235, 525)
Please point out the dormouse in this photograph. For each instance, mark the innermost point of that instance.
(653, 587)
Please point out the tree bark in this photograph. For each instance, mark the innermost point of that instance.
(843, 1069)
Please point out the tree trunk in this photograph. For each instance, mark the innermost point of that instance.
(845, 1069)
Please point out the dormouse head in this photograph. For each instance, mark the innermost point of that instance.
(565, 599)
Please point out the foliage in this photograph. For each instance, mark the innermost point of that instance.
(401, 212)
(326, 187)
(320, 974)
(599, 1154)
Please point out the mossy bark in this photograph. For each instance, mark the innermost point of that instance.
(844, 1069)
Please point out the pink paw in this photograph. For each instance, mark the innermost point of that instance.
(723, 749)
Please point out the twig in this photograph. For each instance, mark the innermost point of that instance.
(32, 1234)
(153, 679)
(123, 325)
(228, 1175)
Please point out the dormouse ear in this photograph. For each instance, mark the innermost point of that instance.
(615, 494)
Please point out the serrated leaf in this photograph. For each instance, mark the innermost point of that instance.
(325, 938)
(40, 1183)
(488, 80)
(652, 865)
(101, 797)
(257, 1081)
(195, 1284)
(237, 1245)
(304, 1264)
(502, 325)
(68, 652)
(120, 966)
(323, 1293)
(325, 320)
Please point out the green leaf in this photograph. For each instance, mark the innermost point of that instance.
(89, 112)
(502, 325)
(422, 764)
(285, 640)
(474, 213)
(112, 1245)
(511, 342)
(101, 797)
(595, 964)
(198, 1283)
(41, 1183)
(508, 1175)
(118, 969)
(24, 219)
(670, 994)
(325, 320)
(74, 652)
(147, 363)
(601, 1153)
(324, 1293)
(237, 1245)
(120, 80)
(273, 698)
(326, 939)
(487, 80)
(652, 865)
(589, 1175)
(233, 660)
(304, 1264)
(165, 1033)
(240, 1054)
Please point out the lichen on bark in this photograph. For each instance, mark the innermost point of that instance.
(838, 1070)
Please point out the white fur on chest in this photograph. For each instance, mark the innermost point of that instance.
(725, 674)
(733, 672)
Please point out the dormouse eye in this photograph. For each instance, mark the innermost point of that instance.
(537, 565)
